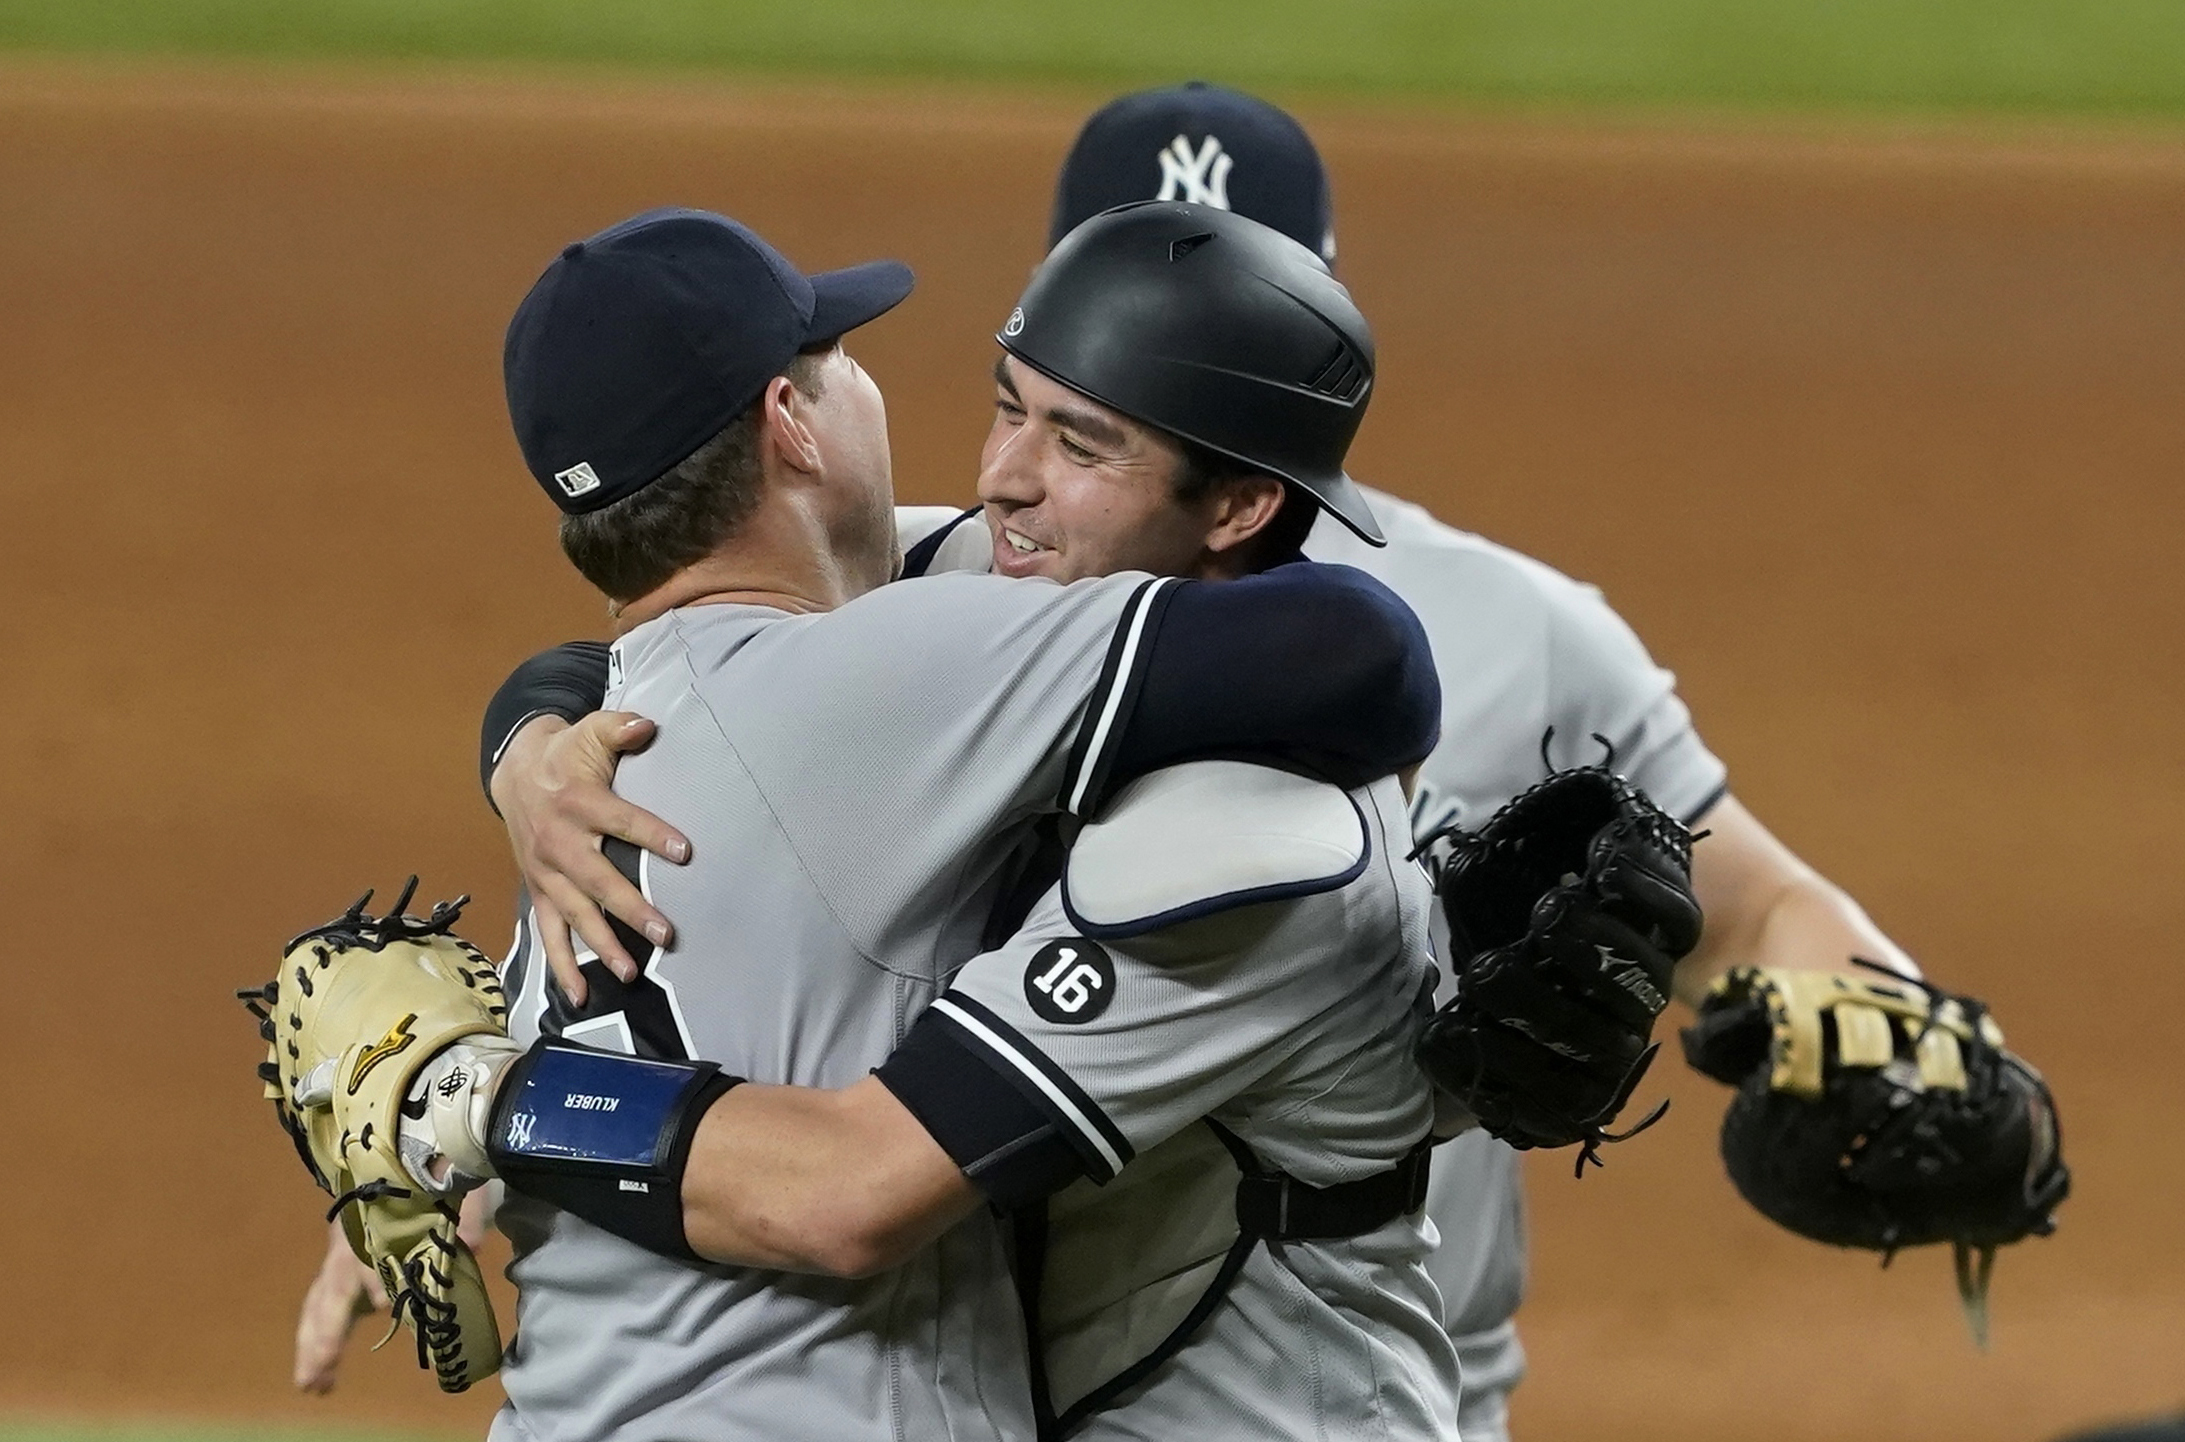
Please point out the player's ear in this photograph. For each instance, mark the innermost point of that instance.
(1244, 506)
(785, 426)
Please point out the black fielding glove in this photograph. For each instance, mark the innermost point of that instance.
(1568, 912)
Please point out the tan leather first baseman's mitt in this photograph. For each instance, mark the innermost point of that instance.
(357, 1009)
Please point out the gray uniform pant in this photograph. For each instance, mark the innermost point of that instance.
(1475, 1201)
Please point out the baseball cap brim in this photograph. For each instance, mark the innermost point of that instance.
(843, 300)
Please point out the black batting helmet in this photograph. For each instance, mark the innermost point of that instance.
(1211, 327)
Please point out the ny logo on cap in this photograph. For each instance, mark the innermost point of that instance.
(578, 479)
(1201, 179)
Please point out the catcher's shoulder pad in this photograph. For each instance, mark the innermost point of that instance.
(1203, 837)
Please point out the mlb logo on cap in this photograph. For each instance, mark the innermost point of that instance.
(578, 479)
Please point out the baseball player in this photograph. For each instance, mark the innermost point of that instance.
(1349, 1281)
(861, 813)
(1521, 649)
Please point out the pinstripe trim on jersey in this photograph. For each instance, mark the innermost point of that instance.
(1099, 1141)
(1113, 693)
(518, 724)
(919, 558)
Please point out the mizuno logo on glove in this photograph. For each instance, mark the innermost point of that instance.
(396, 1041)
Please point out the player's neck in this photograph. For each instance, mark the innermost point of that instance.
(707, 584)
(781, 557)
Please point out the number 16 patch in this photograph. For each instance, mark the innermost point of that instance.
(1069, 981)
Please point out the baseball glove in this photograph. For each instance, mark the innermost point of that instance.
(1881, 1114)
(358, 1008)
(1568, 911)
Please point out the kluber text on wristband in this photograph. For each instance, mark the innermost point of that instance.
(605, 1136)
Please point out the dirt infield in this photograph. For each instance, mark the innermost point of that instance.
(1875, 438)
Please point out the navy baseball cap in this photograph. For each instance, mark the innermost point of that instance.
(639, 344)
(1201, 143)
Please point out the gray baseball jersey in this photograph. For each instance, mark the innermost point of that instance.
(1520, 647)
(857, 787)
(850, 817)
(1291, 1023)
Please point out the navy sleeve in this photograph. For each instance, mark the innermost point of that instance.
(569, 681)
(991, 1120)
(1315, 666)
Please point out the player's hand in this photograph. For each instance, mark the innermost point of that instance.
(343, 1291)
(552, 786)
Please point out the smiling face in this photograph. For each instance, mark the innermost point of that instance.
(1072, 489)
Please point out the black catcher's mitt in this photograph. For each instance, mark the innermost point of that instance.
(1567, 912)
(1881, 1113)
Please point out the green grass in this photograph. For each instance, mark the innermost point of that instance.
(2102, 57)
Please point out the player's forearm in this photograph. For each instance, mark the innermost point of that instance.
(1808, 925)
(684, 1159)
(1766, 907)
(844, 1183)
(523, 746)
